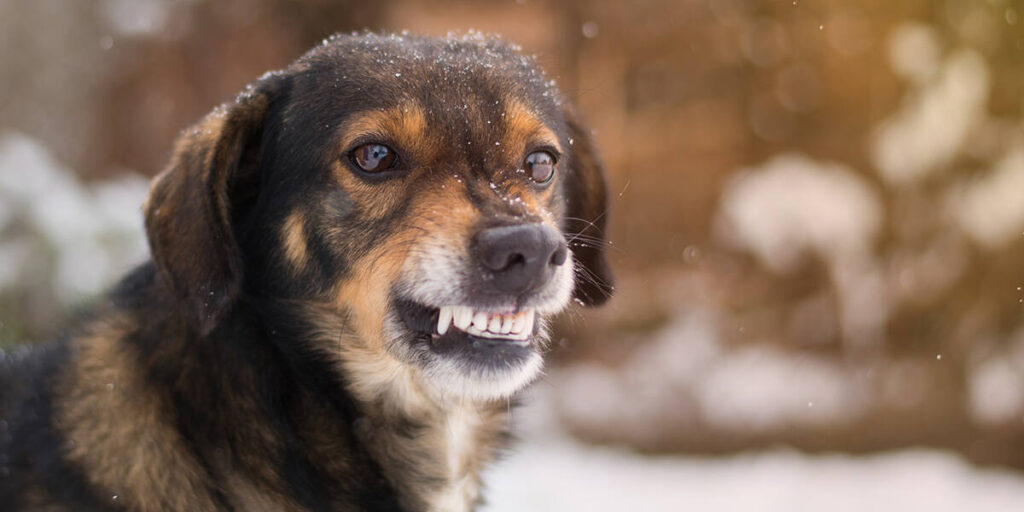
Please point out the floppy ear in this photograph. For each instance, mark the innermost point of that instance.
(189, 210)
(587, 215)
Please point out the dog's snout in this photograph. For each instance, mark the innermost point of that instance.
(520, 257)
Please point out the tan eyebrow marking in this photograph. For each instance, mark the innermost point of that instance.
(523, 127)
(405, 124)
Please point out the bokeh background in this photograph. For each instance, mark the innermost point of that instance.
(817, 223)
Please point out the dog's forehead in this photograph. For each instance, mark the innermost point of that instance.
(453, 79)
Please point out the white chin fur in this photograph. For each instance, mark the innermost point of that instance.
(454, 378)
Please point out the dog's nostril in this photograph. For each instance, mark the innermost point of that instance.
(559, 256)
(497, 259)
(515, 259)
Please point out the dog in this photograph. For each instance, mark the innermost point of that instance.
(352, 268)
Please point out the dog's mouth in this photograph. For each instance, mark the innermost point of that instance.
(445, 326)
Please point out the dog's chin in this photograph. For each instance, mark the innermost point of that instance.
(464, 355)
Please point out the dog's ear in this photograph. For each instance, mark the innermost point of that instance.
(587, 215)
(189, 210)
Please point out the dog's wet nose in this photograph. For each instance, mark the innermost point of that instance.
(522, 257)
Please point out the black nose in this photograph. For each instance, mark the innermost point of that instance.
(521, 257)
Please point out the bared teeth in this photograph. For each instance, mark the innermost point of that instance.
(444, 318)
(487, 325)
(519, 323)
(463, 316)
(480, 321)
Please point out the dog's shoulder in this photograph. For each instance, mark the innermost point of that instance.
(34, 475)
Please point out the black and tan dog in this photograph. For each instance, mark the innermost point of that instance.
(351, 268)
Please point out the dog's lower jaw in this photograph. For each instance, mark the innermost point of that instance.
(484, 385)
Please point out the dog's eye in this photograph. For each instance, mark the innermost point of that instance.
(374, 157)
(541, 166)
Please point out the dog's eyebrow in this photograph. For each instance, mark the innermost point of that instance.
(523, 127)
(405, 124)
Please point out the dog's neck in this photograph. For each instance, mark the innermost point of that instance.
(435, 443)
(430, 446)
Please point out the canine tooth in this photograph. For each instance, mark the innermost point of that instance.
(444, 319)
(480, 321)
(495, 324)
(506, 324)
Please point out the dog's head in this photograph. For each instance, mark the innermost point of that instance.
(435, 195)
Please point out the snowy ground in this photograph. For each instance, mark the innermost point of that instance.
(549, 472)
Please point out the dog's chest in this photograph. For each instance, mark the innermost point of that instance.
(461, 446)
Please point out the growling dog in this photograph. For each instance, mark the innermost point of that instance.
(352, 266)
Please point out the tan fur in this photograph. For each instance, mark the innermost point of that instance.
(293, 238)
(245, 495)
(136, 457)
(406, 124)
(522, 127)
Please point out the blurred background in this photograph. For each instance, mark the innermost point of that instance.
(817, 223)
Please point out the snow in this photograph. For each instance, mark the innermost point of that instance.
(995, 382)
(136, 17)
(548, 471)
(753, 388)
(81, 236)
(914, 51)
(565, 475)
(991, 209)
(931, 126)
(760, 389)
(792, 204)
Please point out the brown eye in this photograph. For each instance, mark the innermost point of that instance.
(540, 165)
(374, 157)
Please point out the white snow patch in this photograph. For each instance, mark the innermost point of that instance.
(568, 476)
(136, 17)
(996, 385)
(792, 204)
(914, 51)
(759, 389)
(547, 471)
(749, 389)
(79, 236)
(991, 209)
(930, 128)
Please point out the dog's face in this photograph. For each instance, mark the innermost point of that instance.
(432, 200)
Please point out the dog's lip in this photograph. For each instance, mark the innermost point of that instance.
(507, 324)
